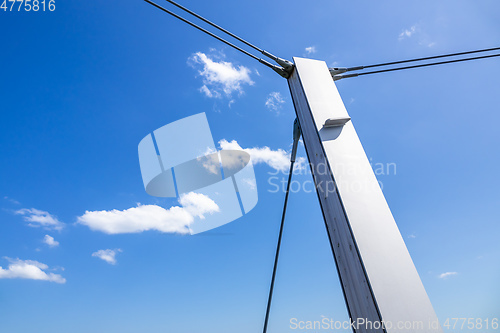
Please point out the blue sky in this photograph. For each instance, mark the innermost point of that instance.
(81, 86)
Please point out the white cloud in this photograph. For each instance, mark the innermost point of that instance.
(274, 101)
(252, 184)
(209, 93)
(407, 33)
(29, 269)
(220, 77)
(277, 159)
(310, 49)
(412, 236)
(151, 217)
(15, 202)
(50, 241)
(108, 255)
(40, 218)
(198, 204)
(447, 275)
(138, 219)
(212, 164)
(418, 33)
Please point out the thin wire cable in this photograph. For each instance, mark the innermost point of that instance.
(266, 320)
(415, 66)
(296, 137)
(215, 25)
(421, 59)
(212, 35)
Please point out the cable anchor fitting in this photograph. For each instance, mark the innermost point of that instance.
(296, 136)
(287, 65)
(280, 70)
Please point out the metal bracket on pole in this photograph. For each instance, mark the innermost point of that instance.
(336, 122)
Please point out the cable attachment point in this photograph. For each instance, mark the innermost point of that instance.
(296, 137)
(287, 65)
(280, 70)
(343, 76)
(337, 70)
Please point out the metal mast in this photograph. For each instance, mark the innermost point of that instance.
(382, 288)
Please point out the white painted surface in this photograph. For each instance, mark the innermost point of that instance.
(370, 244)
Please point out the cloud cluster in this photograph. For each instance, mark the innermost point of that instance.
(151, 217)
(197, 204)
(108, 255)
(40, 218)
(50, 241)
(220, 77)
(177, 219)
(29, 269)
(274, 102)
(310, 49)
(417, 32)
(13, 201)
(277, 159)
(407, 33)
(447, 275)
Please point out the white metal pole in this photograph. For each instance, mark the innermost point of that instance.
(382, 288)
